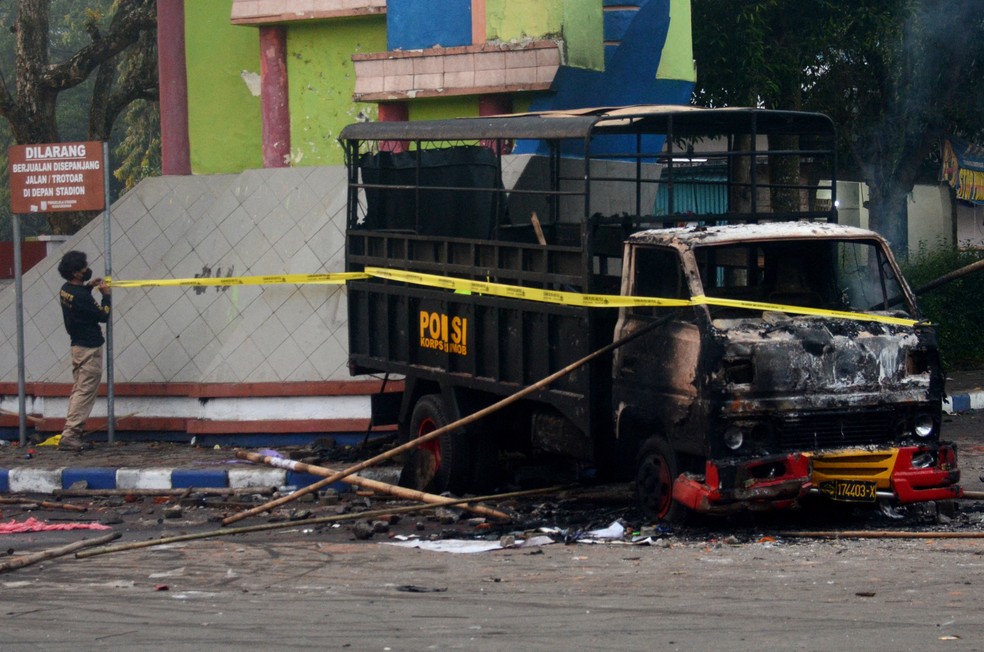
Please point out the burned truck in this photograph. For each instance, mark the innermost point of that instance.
(757, 353)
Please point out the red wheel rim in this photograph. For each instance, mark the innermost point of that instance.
(657, 485)
(433, 446)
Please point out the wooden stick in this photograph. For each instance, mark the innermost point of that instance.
(537, 229)
(464, 421)
(208, 491)
(34, 420)
(882, 534)
(26, 560)
(44, 503)
(375, 485)
(972, 495)
(305, 522)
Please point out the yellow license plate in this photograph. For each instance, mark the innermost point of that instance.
(851, 491)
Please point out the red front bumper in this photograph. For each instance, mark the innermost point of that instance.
(777, 482)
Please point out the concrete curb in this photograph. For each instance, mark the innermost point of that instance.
(49, 481)
(964, 401)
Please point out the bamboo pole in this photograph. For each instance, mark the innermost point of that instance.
(882, 534)
(434, 434)
(972, 495)
(44, 503)
(207, 491)
(26, 560)
(375, 485)
(306, 522)
(950, 276)
(34, 420)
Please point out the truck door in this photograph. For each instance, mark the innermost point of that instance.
(655, 375)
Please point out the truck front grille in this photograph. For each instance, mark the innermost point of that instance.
(825, 430)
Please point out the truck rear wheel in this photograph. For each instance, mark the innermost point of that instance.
(656, 471)
(448, 458)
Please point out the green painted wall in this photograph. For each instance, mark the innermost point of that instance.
(579, 22)
(322, 79)
(442, 108)
(584, 29)
(677, 61)
(226, 134)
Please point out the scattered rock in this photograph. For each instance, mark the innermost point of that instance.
(446, 516)
(173, 511)
(363, 530)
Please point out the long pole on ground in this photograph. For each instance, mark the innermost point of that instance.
(19, 292)
(434, 434)
(107, 223)
(353, 516)
(367, 483)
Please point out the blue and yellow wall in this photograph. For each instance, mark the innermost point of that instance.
(612, 54)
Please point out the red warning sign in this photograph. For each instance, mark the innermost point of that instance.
(56, 177)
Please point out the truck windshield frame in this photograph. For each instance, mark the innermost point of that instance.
(835, 274)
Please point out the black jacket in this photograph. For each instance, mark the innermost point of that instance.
(83, 316)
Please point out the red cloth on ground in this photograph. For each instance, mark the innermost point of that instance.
(34, 525)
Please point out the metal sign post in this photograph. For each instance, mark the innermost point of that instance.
(19, 291)
(110, 394)
(51, 178)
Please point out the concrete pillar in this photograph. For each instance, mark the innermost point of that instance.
(495, 105)
(173, 76)
(274, 97)
(393, 112)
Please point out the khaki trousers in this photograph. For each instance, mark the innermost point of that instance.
(87, 367)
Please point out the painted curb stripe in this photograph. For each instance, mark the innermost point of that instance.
(143, 479)
(34, 481)
(244, 478)
(184, 478)
(94, 478)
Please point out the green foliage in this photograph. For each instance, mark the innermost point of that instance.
(955, 308)
(135, 143)
(896, 76)
(138, 152)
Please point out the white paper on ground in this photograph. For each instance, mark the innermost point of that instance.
(468, 546)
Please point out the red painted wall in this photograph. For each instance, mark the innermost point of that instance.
(32, 253)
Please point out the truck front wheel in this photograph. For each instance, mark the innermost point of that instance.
(656, 470)
(443, 464)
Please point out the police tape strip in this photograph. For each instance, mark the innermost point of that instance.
(518, 292)
(802, 310)
(615, 301)
(336, 278)
(557, 297)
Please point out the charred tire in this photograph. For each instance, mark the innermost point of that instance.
(451, 453)
(656, 469)
(485, 458)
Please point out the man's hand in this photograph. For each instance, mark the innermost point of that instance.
(100, 284)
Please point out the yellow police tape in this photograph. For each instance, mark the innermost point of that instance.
(225, 281)
(508, 291)
(517, 292)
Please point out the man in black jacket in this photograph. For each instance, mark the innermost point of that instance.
(82, 318)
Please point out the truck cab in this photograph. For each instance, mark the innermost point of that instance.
(803, 369)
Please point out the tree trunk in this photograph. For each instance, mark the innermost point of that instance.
(740, 176)
(784, 170)
(888, 215)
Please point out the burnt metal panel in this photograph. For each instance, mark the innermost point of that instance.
(836, 429)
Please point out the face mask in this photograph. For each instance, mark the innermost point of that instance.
(86, 275)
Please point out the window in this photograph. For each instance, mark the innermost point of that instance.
(657, 273)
